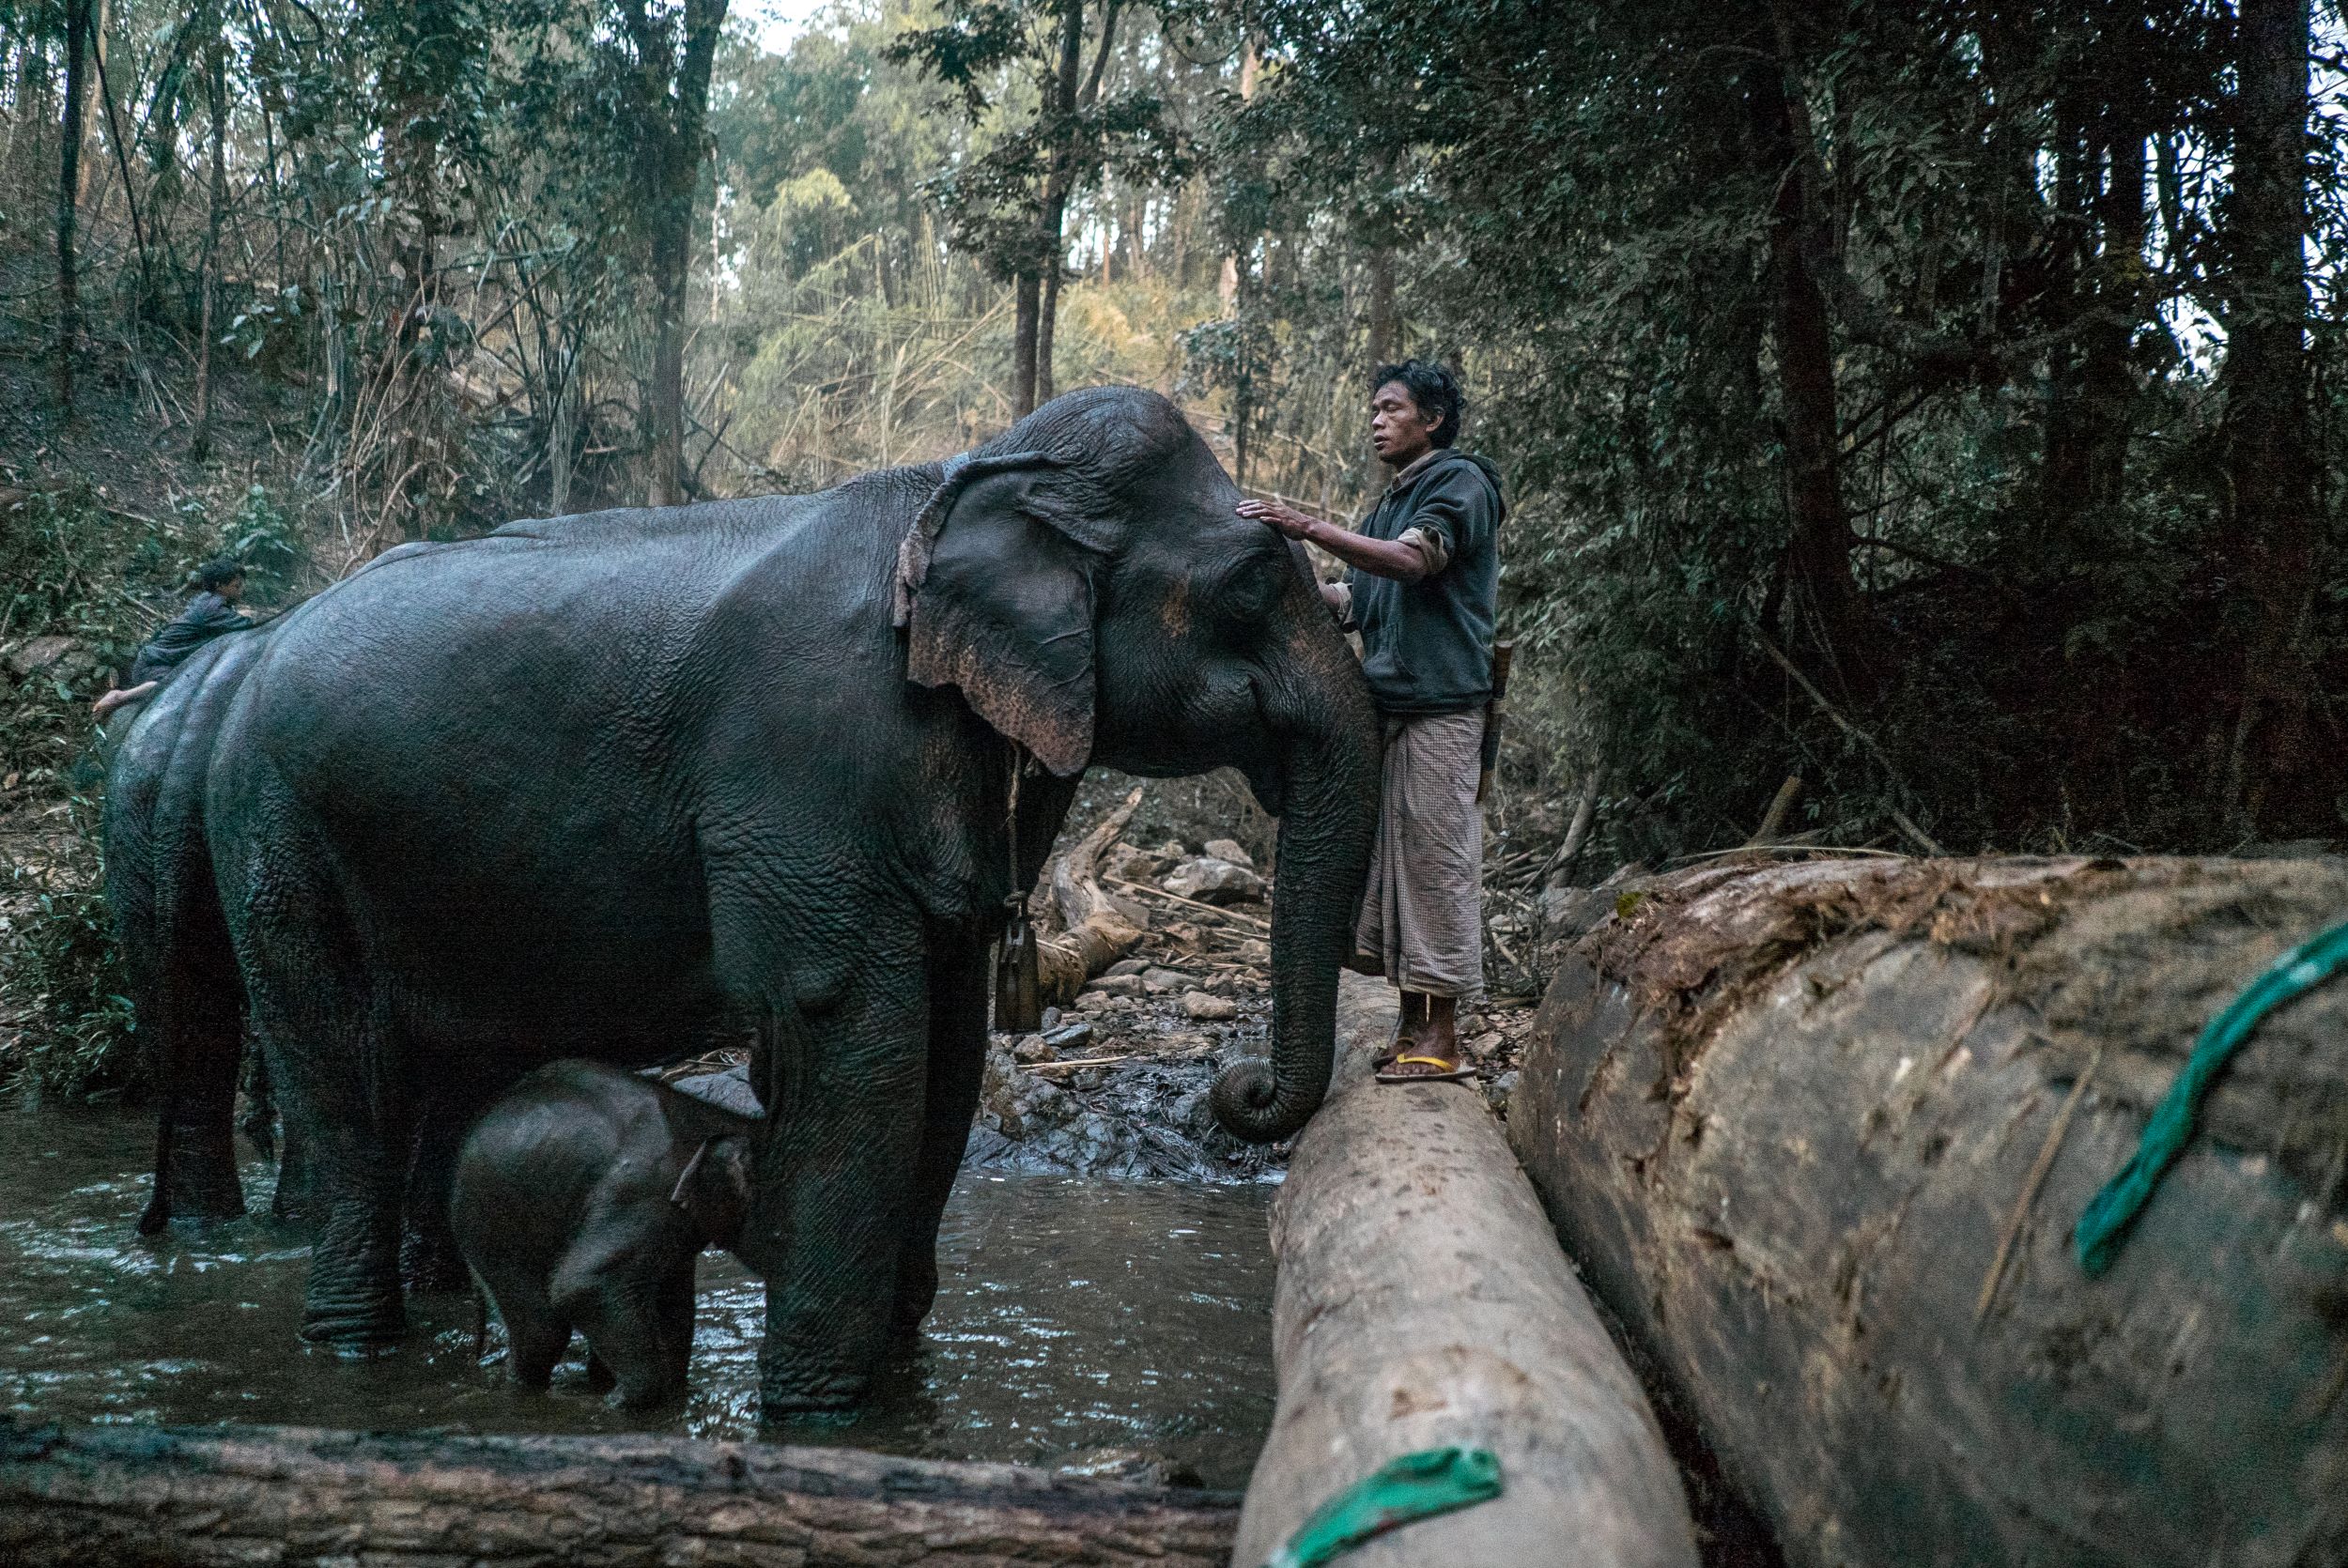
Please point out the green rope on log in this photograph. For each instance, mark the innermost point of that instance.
(1416, 1486)
(2109, 1214)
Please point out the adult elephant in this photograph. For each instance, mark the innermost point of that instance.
(610, 784)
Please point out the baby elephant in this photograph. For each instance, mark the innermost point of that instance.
(581, 1201)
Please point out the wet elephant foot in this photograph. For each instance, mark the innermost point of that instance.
(198, 1184)
(353, 1302)
(917, 1292)
(819, 1394)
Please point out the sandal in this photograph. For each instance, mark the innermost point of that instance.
(1451, 1072)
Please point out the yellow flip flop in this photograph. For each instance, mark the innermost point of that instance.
(1451, 1075)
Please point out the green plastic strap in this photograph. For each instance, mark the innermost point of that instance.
(1416, 1486)
(2105, 1224)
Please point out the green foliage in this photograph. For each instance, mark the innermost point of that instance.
(62, 975)
(1597, 214)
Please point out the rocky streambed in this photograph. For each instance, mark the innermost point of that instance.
(1116, 1084)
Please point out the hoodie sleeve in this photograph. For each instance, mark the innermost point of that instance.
(1456, 512)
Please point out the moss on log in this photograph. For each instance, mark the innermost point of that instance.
(1422, 1302)
(1818, 1134)
(149, 1497)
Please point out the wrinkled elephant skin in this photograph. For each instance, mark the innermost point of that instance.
(734, 770)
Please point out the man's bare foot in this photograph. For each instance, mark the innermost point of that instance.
(1406, 1032)
(1433, 1054)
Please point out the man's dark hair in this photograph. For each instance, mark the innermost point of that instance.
(213, 576)
(1433, 388)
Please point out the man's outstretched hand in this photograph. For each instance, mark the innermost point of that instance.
(1295, 524)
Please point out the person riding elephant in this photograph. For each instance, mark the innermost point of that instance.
(581, 1201)
(745, 770)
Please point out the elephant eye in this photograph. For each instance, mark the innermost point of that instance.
(1249, 589)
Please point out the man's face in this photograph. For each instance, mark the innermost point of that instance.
(232, 590)
(1398, 431)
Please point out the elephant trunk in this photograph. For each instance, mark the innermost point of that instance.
(1331, 787)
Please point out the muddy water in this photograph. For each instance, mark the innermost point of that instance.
(1074, 1315)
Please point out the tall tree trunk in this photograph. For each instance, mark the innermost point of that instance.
(2268, 540)
(1822, 595)
(1049, 239)
(1384, 329)
(216, 92)
(1047, 319)
(678, 134)
(1227, 286)
(88, 166)
(1026, 292)
(77, 29)
(2107, 385)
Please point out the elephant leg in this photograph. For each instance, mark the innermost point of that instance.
(535, 1336)
(191, 1003)
(294, 1200)
(957, 1067)
(622, 1318)
(428, 1259)
(340, 1092)
(828, 1203)
(676, 1322)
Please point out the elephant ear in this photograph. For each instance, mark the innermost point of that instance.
(995, 592)
(714, 1190)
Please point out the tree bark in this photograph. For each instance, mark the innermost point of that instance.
(1818, 1134)
(2269, 530)
(1384, 329)
(1422, 1302)
(673, 102)
(1027, 291)
(88, 165)
(1822, 595)
(1823, 599)
(77, 30)
(207, 1498)
(216, 94)
(1226, 283)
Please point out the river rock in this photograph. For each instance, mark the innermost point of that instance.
(1127, 966)
(1114, 985)
(1227, 850)
(1255, 950)
(37, 654)
(1209, 1008)
(1068, 1036)
(1214, 882)
(1132, 864)
(1095, 1001)
(1157, 982)
(1033, 1048)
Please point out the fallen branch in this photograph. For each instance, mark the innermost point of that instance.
(1147, 891)
(1098, 933)
(206, 1498)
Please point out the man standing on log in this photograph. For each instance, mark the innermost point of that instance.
(1422, 589)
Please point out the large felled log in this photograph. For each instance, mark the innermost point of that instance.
(1819, 1133)
(1097, 933)
(143, 1497)
(1422, 1302)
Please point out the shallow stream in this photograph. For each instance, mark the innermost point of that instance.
(1077, 1319)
